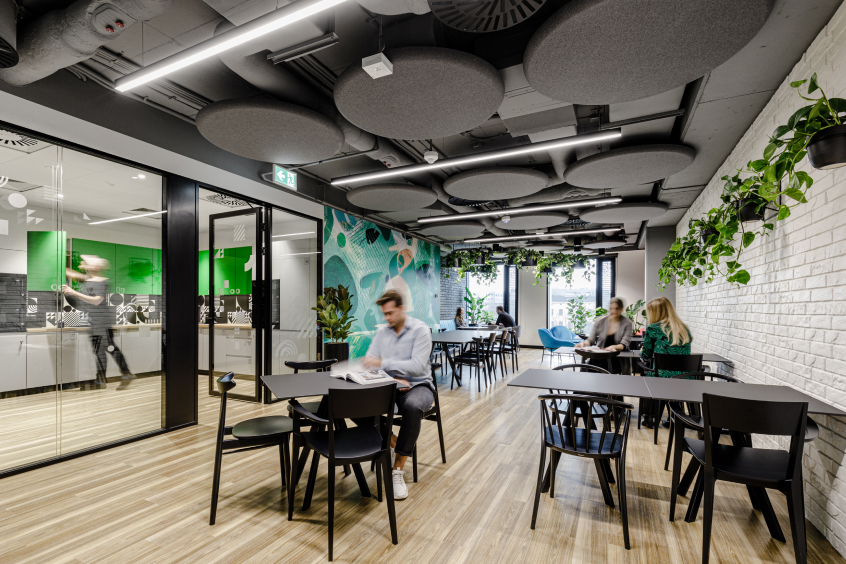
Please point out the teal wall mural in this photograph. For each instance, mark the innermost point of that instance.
(370, 259)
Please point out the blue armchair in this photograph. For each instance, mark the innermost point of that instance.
(447, 325)
(564, 334)
(550, 343)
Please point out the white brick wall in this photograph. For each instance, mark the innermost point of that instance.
(788, 325)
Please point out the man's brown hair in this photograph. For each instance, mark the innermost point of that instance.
(390, 296)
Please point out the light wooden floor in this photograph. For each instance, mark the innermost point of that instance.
(148, 502)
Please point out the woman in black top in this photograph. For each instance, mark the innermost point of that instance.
(95, 288)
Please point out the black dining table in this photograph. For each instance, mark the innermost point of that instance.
(706, 357)
(458, 337)
(310, 384)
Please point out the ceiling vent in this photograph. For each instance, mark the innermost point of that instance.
(20, 142)
(225, 200)
(484, 16)
(8, 20)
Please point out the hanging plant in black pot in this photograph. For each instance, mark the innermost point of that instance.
(709, 236)
(333, 316)
(751, 209)
(827, 148)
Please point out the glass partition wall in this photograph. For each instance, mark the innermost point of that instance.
(81, 304)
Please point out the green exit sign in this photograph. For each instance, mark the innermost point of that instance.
(286, 178)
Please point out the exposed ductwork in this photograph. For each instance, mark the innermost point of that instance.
(395, 7)
(555, 194)
(65, 37)
(8, 21)
(438, 187)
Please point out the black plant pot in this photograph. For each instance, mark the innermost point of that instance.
(338, 351)
(579, 264)
(529, 262)
(709, 234)
(746, 209)
(827, 148)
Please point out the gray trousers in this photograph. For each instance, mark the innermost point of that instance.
(411, 406)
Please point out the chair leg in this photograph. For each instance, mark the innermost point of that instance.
(603, 483)
(283, 463)
(707, 517)
(689, 476)
(695, 498)
(378, 469)
(312, 477)
(539, 487)
(621, 495)
(331, 506)
(389, 496)
(553, 466)
(609, 475)
(770, 516)
(414, 463)
(292, 482)
(441, 435)
(218, 461)
(796, 511)
(639, 412)
(677, 463)
(669, 444)
(659, 410)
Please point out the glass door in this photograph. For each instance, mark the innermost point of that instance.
(235, 275)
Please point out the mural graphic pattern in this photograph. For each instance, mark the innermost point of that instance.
(370, 259)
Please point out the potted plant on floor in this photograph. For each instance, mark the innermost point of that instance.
(475, 307)
(333, 317)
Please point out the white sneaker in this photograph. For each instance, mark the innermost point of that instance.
(400, 489)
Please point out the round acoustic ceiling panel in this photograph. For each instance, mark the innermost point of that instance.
(629, 165)
(433, 92)
(496, 183)
(622, 213)
(454, 229)
(610, 51)
(391, 197)
(270, 131)
(533, 221)
(605, 243)
(485, 15)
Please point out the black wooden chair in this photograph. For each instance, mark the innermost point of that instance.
(432, 414)
(251, 434)
(499, 350)
(602, 446)
(682, 363)
(476, 355)
(355, 445)
(757, 468)
(562, 408)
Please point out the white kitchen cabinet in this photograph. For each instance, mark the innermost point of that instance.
(141, 347)
(87, 363)
(13, 361)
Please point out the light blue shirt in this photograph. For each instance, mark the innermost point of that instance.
(405, 355)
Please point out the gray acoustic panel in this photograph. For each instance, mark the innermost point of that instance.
(605, 243)
(454, 229)
(540, 220)
(433, 92)
(629, 165)
(624, 213)
(485, 15)
(408, 216)
(500, 183)
(609, 51)
(270, 131)
(549, 247)
(391, 197)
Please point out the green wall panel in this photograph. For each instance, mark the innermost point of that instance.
(134, 269)
(101, 249)
(157, 272)
(228, 267)
(46, 253)
(369, 259)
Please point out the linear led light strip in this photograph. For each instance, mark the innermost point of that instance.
(124, 218)
(292, 234)
(556, 234)
(480, 157)
(258, 27)
(297, 254)
(527, 209)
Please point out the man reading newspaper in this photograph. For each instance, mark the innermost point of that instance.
(402, 349)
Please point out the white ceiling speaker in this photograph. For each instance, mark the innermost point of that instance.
(506, 218)
(377, 65)
(430, 156)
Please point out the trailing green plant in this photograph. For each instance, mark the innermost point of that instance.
(333, 313)
(578, 314)
(637, 314)
(482, 272)
(476, 307)
(770, 183)
(599, 312)
(556, 265)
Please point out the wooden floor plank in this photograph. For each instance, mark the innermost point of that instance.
(148, 501)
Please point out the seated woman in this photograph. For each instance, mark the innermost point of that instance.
(459, 318)
(612, 332)
(665, 334)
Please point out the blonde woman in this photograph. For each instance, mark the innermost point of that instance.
(459, 318)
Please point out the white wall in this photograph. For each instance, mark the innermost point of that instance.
(630, 276)
(787, 326)
(658, 242)
(531, 306)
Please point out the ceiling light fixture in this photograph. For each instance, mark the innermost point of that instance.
(123, 218)
(507, 212)
(292, 234)
(297, 254)
(258, 27)
(487, 156)
(555, 234)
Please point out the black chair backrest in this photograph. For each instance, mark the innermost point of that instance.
(704, 375)
(616, 412)
(758, 418)
(320, 365)
(678, 362)
(687, 409)
(367, 401)
(584, 367)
